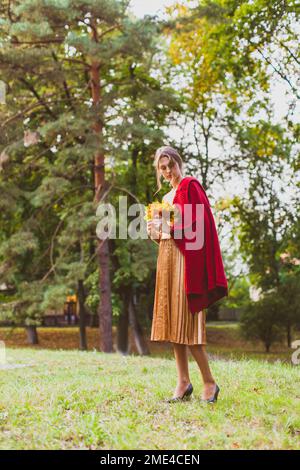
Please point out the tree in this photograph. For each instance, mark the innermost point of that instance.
(261, 320)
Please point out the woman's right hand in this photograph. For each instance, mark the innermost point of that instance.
(153, 228)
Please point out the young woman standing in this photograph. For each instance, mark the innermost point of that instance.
(187, 281)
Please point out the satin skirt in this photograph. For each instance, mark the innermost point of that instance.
(172, 320)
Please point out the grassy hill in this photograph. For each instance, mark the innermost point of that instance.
(92, 400)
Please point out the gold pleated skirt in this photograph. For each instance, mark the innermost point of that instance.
(172, 319)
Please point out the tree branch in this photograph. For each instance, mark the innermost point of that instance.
(35, 93)
(60, 40)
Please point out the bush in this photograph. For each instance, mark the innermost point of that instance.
(261, 320)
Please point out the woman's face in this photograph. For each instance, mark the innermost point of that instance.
(169, 169)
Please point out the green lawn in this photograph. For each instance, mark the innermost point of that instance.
(92, 400)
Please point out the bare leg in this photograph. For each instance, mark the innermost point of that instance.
(199, 353)
(182, 365)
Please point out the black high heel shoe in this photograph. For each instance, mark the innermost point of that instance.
(186, 396)
(214, 397)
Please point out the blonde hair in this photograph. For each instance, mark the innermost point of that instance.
(172, 155)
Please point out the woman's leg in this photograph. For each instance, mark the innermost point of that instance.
(199, 353)
(182, 365)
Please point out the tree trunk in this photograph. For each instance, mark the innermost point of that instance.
(139, 339)
(32, 336)
(82, 317)
(93, 321)
(122, 331)
(123, 293)
(289, 335)
(105, 307)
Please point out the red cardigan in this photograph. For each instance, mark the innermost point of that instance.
(204, 277)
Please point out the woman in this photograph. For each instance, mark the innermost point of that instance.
(187, 280)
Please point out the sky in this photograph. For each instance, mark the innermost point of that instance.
(149, 7)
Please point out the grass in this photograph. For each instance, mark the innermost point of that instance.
(92, 400)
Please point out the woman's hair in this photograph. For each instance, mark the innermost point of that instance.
(173, 156)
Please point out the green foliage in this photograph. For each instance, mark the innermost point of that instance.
(261, 320)
(239, 293)
(289, 292)
(91, 283)
(54, 298)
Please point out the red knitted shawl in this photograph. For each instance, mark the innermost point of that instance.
(204, 276)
